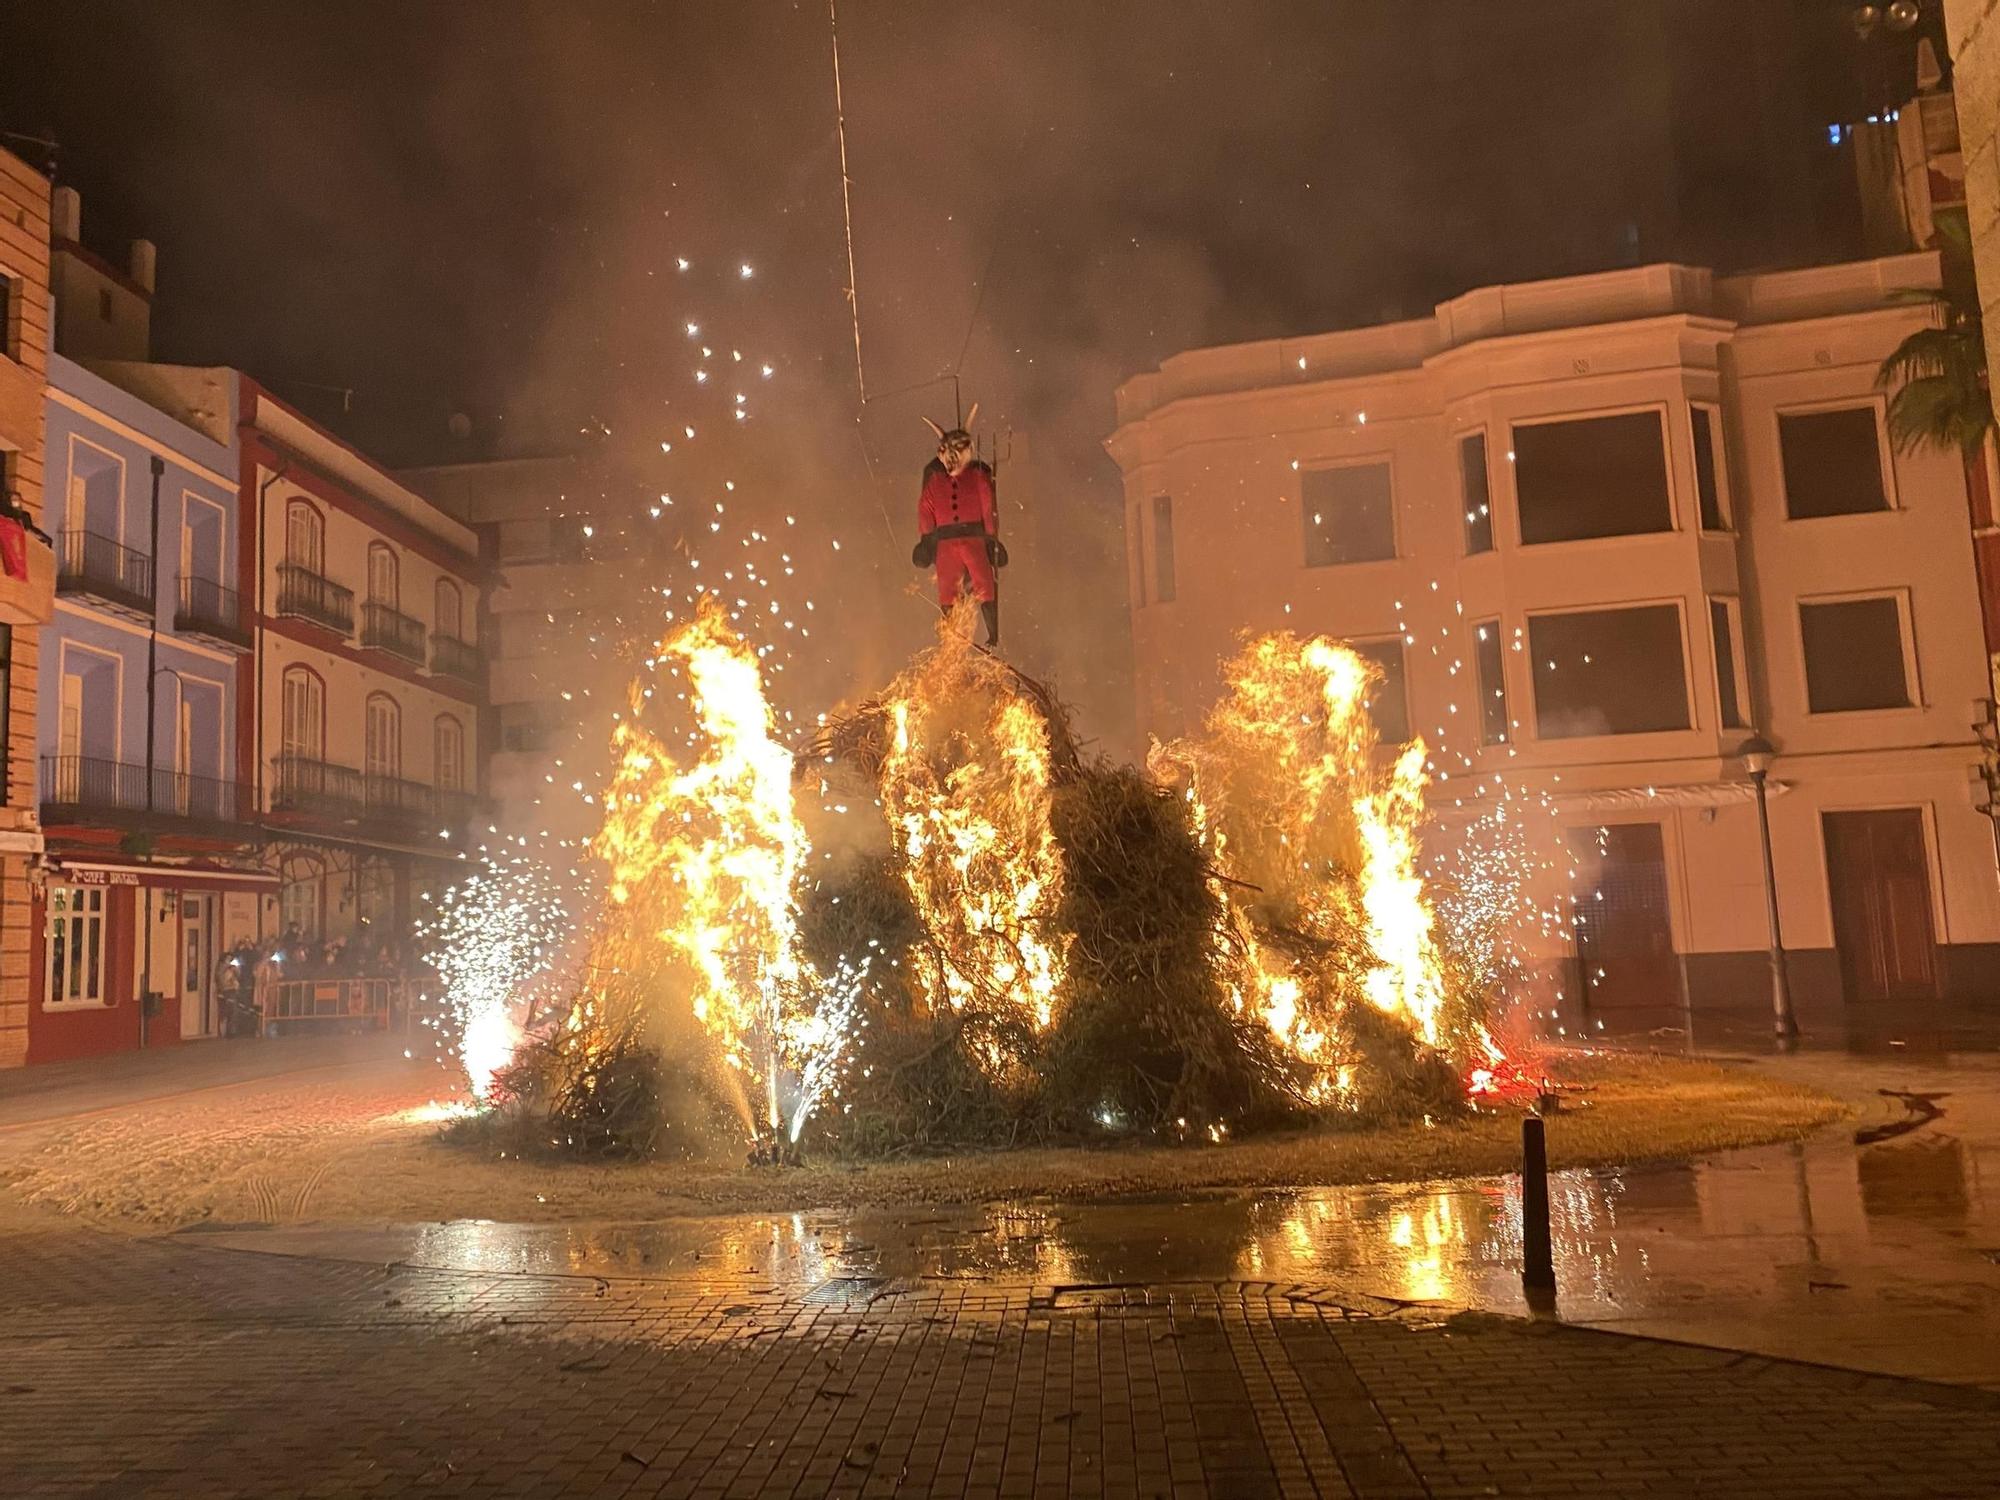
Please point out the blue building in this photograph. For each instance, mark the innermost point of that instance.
(145, 687)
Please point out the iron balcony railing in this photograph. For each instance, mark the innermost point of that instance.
(302, 784)
(101, 568)
(209, 609)
(307, 595)
(451, 657)
(389, 629)
(82, 785)
(317, 788)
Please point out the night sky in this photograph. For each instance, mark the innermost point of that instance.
(476, 205)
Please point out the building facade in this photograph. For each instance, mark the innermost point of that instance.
(1975, 48)
(1597, 532)
(26, 593)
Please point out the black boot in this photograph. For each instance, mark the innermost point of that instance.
(989, 611)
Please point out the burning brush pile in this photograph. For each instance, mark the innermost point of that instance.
(940, 924)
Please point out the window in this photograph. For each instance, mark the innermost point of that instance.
(1476, 494)
(384, 582)
(1855, 657)
(385, 737)
(1608, 671)
(1135, 548)
(1707, 469)
(449, 607)
(96, 491)
(1592, 477)
(1489, 676)
(201, 539)
(305, 537)
(375, 893)
(74, 972)
(568, 538)
(450, 749)
(1832, 462)
(6, 705)
(10, 344)
(1349, 517)
(1729, 696)
(1163, 549)
(300, 903)
(304, 713)
(1389, 705)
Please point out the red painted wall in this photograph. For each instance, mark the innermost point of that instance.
(59, 1035)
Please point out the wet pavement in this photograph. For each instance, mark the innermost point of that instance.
(1874, 1246)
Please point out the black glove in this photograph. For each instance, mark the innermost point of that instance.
(996, 552)
(925, 552)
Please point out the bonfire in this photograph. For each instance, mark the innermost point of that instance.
(1028, 944)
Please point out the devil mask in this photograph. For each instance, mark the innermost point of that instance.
(954, 450)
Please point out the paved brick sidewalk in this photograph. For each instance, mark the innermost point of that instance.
(176, 1368)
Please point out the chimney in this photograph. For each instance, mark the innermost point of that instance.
(66, 215)
(145, 256)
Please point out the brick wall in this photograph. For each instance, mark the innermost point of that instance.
(24, 258)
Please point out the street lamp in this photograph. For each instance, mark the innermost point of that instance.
(1757, 753)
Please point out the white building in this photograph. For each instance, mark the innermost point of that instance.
(1597, 532)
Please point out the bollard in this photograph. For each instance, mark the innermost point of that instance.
(1538, 1267)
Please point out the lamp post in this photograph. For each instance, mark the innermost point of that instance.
(1757, 753)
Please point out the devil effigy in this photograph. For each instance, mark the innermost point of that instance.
(958, 525)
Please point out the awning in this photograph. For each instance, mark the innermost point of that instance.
(165, 877)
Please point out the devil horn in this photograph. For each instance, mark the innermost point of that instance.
(972, 416)
(933, 427)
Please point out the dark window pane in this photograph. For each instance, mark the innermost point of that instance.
(1490, 678)
(1725, 665)
(1591, 477)
(1833, 463)
(1609, 671)
(1705, 483)
(1477, 498)
(1854, 655)
(1163, 549)
(1389, 705)
(1348, 514)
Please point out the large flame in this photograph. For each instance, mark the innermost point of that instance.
(704, 857)
(965, 787)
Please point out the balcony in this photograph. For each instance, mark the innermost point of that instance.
(451, 657)
(98, 568)
(319, 790)
(305, 595)
(316, 788)
(391, 630)
(79, 789)
(215, 613)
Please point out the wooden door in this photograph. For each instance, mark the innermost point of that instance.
(1879, 876)
(197, 964)
(1624, 936)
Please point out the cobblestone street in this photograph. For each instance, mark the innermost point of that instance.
(173, 1367)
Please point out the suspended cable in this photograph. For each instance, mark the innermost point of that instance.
(846, 199)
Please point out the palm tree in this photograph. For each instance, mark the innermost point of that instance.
(1942, 397)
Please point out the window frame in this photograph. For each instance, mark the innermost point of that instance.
(76, 522)
(1508, 724)
(447, 587)
(1662, 412)
(393, 601)
(1163, 504)
(93, 916)
(1885, 457)
(442, 724)
(1913, 686)
(296, 505)
(1460, 442)
(64, 649)
(315, 881)
(1384, 461)
(1135, 533)
(1732, 622)
(1401, 642)
(189, 500)
(1725, 507)
(302, 673)
(395, 721)
(1689, 701)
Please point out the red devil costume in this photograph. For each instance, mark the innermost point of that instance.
(955, 514)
